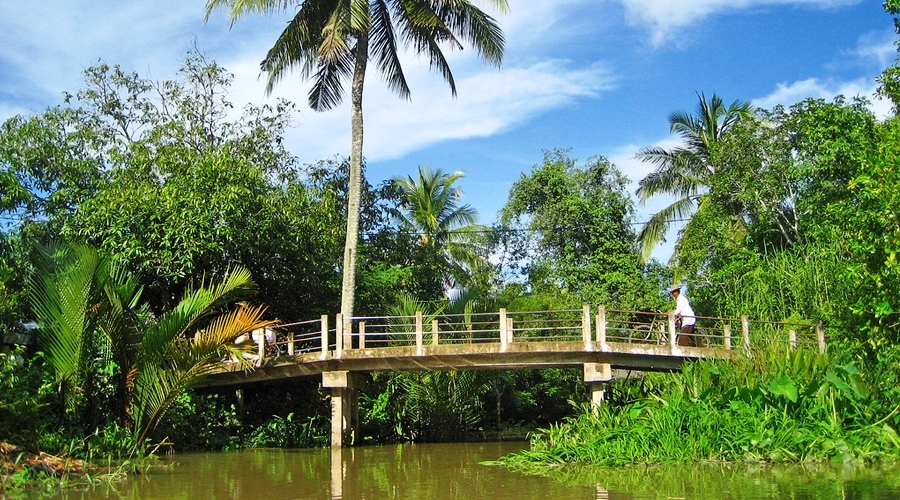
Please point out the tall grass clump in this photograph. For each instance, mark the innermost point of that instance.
(777, 405)
(809, 282)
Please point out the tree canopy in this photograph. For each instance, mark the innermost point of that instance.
(567, 227)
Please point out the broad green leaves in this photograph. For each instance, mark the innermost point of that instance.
(94, 327)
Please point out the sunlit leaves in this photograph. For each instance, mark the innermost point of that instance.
(567, 228)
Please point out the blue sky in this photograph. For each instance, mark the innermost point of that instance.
(597, 76)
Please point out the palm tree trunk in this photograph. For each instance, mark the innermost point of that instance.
(348, 287)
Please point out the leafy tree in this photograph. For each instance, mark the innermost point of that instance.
(889, 80)
(448, 231)
(92, 321)
(333, 41)
(13, 296)
(49, 164)
(568, 228)
(784, 169)
(785, 174)
(683, 171)
(874, 239)
(156, 174)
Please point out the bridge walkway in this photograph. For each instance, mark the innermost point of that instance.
(601, 341)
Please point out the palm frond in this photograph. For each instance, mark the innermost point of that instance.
(476, 27)
(384, 48)
(242, 8)
(653, 231)
(186, 361)
(62, 291)
(684, 171)
(196, 305)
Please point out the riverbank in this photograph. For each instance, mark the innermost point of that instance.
(22, 471)
(773, 407)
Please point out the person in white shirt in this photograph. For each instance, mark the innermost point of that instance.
(684, 312)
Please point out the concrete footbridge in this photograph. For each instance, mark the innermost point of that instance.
(603, 342)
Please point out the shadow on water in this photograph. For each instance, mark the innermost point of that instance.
(454, 472)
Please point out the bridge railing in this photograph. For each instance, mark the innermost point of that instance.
(289, 339)
(596, 328)
(648, 327)
(420, 329)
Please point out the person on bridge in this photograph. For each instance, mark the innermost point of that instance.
(684, 312)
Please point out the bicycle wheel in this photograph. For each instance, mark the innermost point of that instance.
(662, 337)
(701, 337)
(641, 333)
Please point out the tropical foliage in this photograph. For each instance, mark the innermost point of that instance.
(568, 228)
(449, 236)
(155, 174)
(771, 407)
(793, 215)
(682, 171)
(94, 328)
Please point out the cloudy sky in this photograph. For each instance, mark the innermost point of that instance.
(597, 76)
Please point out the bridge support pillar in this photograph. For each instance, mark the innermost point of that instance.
(596, 375)
(344, 387)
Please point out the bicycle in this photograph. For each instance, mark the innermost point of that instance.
(658, 328)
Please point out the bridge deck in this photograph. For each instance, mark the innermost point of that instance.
(500, 341)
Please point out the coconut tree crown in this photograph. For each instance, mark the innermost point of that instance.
(324, 38)
(682, 172)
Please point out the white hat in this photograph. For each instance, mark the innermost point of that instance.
(674, 288)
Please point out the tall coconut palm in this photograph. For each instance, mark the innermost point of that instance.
(431, 207)
(90, 315)
(683, 171)
(331, 42)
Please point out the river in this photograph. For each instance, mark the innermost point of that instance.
(456, 472)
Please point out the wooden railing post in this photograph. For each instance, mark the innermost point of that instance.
(419, 333)
(745, 331)
(324, 336)
(820, 337)
(504, 337)
(262, 346)
(290, 344)
(435, 328)
(601, 327)
(792, 339)
(348, 333)
(338, 335)
(673, 335)
(362, 334)
(586, 327)
(727, 335)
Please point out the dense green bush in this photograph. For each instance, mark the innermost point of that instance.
(770, 407)
(22, 410)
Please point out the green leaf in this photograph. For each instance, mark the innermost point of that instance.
(783, 386)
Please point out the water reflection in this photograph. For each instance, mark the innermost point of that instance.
(738, 481)
(454, 472)
(439, 471)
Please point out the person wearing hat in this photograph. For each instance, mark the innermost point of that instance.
(684, 312)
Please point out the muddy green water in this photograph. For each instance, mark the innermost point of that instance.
(454, 471)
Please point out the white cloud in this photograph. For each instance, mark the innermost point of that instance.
(791, 93)
(877, 47)
(47, 44)
(488, 101)
(664, 17)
